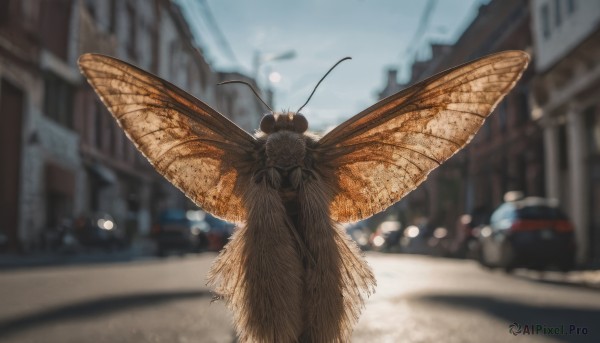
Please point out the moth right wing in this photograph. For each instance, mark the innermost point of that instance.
(197, 149)
(387, 150)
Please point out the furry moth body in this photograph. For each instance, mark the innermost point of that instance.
(289, 272)
(314, 293)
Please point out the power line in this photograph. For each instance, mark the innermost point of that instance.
(222, 42)
(185, 7)
(421, 29)
(412, 48)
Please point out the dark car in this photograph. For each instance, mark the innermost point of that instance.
(98, 231)
(425, 239)
(218, 232)
(360, 233)
(466, 243)
(180, 231)
(386, 237)
(532, 233)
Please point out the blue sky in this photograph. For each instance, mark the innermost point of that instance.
(376, 34)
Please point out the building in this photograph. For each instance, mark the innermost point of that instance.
(239, 103)
(62, 154)
(507, 153)
(566, 104)
(421, 206)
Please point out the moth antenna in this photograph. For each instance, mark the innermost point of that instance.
(321, 80)
(251, 87)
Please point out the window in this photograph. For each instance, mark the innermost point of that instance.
(487, 128)
(5, 9)
(112, 137)
(58, 100)
(91, 9)
(125, 143)
(521, 166)
(563, 162)
(522, 106)
(131, 32)
(154, 48)
(502, 217)
(545, 17)
(502, 114)
(11, 112)
(592, 119)
(54, 26)
(60, 187)
(113, 16)
(540, 212)
(97, 125)
(570, 6)
(557, 12)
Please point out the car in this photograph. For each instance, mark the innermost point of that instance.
(386, 237)
(360, 233)
(425, 240)
(97, 231)
(465, 243)
(180, 231)
(531, 233)
(217, 233)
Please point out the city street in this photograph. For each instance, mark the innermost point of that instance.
(418, 299)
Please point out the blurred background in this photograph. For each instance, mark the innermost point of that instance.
(502, 240)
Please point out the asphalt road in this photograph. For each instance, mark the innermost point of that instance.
(418, 299)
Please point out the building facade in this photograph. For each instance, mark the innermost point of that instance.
(62, 155)
(239, 103)
(544, 137)
(565, 102)
(507, 153)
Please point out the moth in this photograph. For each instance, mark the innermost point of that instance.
(289, 272)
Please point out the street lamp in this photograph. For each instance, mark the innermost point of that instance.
(260, 59)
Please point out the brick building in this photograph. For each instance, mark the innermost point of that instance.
(507, 153)
(62, 155)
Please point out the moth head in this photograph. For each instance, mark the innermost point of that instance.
(289, 121)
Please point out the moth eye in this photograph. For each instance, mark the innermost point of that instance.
(267, 124)
(300, 123)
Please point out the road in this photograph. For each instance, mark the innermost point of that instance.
(418, 299)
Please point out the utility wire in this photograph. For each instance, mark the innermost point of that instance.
(203, 7)
(412, 48)
(421, 29)
(195, 25)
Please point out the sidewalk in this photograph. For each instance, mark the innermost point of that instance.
(139, 249)
(581, 278)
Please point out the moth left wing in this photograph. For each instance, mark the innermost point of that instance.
(197, 149)
(387, 150)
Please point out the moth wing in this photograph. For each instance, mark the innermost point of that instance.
(387, 150)
(197, 149)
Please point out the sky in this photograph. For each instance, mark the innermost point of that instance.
(376, 34)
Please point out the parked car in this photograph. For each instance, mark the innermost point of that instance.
(465, 243)
(180, 231)
(387, 236)
(218, 232)
(532, 233)
(360, 233)
(426, 240)
(98, 231)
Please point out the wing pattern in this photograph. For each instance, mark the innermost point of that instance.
(386, 151)
(197, 149)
